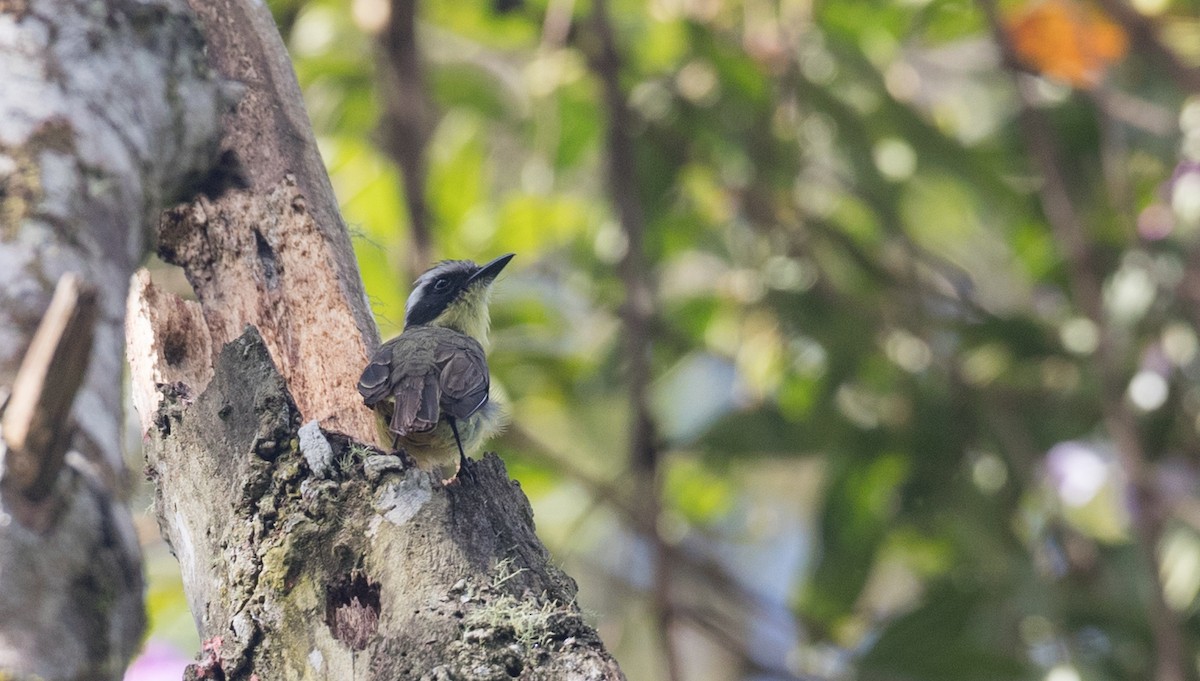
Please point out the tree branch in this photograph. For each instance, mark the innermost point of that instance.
(637, 312)
(304, 551)
(107, 112)
(406, 121)
(295, 277)
(1085, 283)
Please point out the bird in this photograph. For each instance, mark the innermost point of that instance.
(430, 385)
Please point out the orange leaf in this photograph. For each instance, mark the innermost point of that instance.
(1067, 40)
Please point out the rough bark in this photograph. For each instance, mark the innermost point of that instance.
(107, 113)
(277, 255)
(307, 553)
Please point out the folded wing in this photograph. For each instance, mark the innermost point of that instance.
(464, 377)
(427, 371)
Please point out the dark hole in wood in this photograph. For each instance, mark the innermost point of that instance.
(228, 174)
(175, 348)
(514, 667)
(352, 609)
(270, 264)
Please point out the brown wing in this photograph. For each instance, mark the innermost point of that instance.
(464, 376)
(426, 371)
(374, 385)
(403, 370)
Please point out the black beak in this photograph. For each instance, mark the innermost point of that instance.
(489, 271)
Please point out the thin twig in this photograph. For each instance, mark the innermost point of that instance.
(728, 635)
(611, 495)
(1085, 282)
(406, 120)
(557, 23)
(638, 308)
(637, 312)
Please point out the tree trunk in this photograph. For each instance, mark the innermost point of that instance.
(107, 113)
(306, 552)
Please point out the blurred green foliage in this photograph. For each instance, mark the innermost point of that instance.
(866, 337)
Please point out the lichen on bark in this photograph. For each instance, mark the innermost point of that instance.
(108, 111)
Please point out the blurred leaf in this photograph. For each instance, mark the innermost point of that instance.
(940, 641)
(467, 86)
(862, 498)
(457, 179)
(702, 495)
(853, 270)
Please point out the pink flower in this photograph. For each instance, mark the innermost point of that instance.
(158, 662)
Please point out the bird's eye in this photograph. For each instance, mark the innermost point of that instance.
(441, 284)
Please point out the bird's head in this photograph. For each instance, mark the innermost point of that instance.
(455, 294)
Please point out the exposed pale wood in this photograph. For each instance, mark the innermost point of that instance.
(276, 256)
(167, 342)
(260, 258)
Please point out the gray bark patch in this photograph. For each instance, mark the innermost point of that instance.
(400, 501)
(317, 452)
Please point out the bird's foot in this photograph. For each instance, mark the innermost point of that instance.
(464, 471)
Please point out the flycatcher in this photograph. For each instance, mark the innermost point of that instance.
(430, 384)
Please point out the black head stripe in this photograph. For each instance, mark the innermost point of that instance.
(430, 301)
(425, 310)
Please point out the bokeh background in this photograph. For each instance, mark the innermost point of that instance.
(846, 339)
